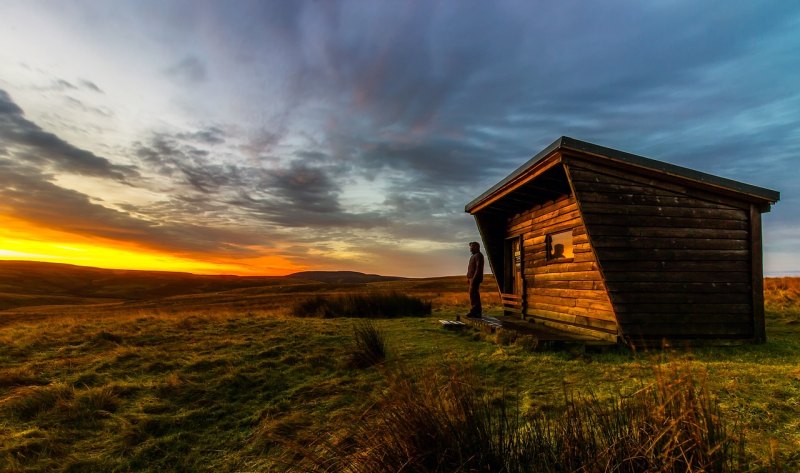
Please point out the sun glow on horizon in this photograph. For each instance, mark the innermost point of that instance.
(20, 240)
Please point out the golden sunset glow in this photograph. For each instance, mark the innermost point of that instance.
(20, 240)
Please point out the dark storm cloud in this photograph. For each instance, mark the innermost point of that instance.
(42, 148)
(304, 195)
(456, 92)
(189, 70)
(187, 162)
(304, 187)
(304, 192)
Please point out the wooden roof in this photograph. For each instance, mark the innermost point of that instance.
(744, 191)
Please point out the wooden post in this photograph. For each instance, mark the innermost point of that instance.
(757, 275)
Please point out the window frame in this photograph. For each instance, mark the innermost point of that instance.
(549, 247)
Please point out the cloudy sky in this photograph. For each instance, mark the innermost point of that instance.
(270, 137)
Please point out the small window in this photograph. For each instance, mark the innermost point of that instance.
(559, 246)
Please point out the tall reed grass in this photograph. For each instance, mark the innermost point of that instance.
(369, 345)
(378, 305)
(434, 423)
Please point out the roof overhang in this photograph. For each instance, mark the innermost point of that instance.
(552, 155)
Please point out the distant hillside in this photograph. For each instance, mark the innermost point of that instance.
(342, 277)
(26, 283)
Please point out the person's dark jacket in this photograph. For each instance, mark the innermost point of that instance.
(475, 268)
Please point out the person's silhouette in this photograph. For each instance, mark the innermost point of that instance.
(558, 251)
(474, 279)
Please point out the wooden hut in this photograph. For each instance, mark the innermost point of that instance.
(611, 246)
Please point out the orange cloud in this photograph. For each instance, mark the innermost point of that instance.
(21, 240)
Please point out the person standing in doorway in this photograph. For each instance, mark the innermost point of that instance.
(474, 279)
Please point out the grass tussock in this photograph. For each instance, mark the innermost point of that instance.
(373, 305)
(369, 345)
(21, 376)
(436, 423)
(28, 402)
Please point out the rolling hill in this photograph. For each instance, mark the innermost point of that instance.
(29, 283)
(342, 277)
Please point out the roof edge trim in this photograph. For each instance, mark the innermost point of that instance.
(514, 176)
(572, 144)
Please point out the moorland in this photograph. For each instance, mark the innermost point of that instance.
(106, 370)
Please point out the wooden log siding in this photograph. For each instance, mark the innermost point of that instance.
(569, 296)
(676, 261)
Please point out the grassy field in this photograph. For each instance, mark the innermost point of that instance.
(228, 381)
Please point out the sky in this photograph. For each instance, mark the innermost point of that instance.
(268, 137)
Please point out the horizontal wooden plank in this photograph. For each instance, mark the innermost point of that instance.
(511, 296)
(645, 318)
(625, 198)
(688, 330)
(658, 254)
(655, 308)
(679, 298)
(606, 325)
(598, 314)
(587, 186)
(679, 287)
(532, 236)
(661, 221)
(584, 257)
(662, 211)
(670, 243)
(595, 305)
(693, 276)
(584, 171)
(569, 276)
(667, 232)
(590, 294)
(553, 300)
(675, 266)
(583, 332)
(581, 247)
(546, 220)
(565, 267)
(539, 210)
(541, 266)
(580, 285)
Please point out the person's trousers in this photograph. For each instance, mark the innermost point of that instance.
(475, 297)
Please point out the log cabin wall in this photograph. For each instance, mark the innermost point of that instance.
(676, 260)
(569, 296)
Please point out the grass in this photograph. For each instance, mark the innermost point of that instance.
(373, 305)
(434, 423)
(229, 383)
(370, 345)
